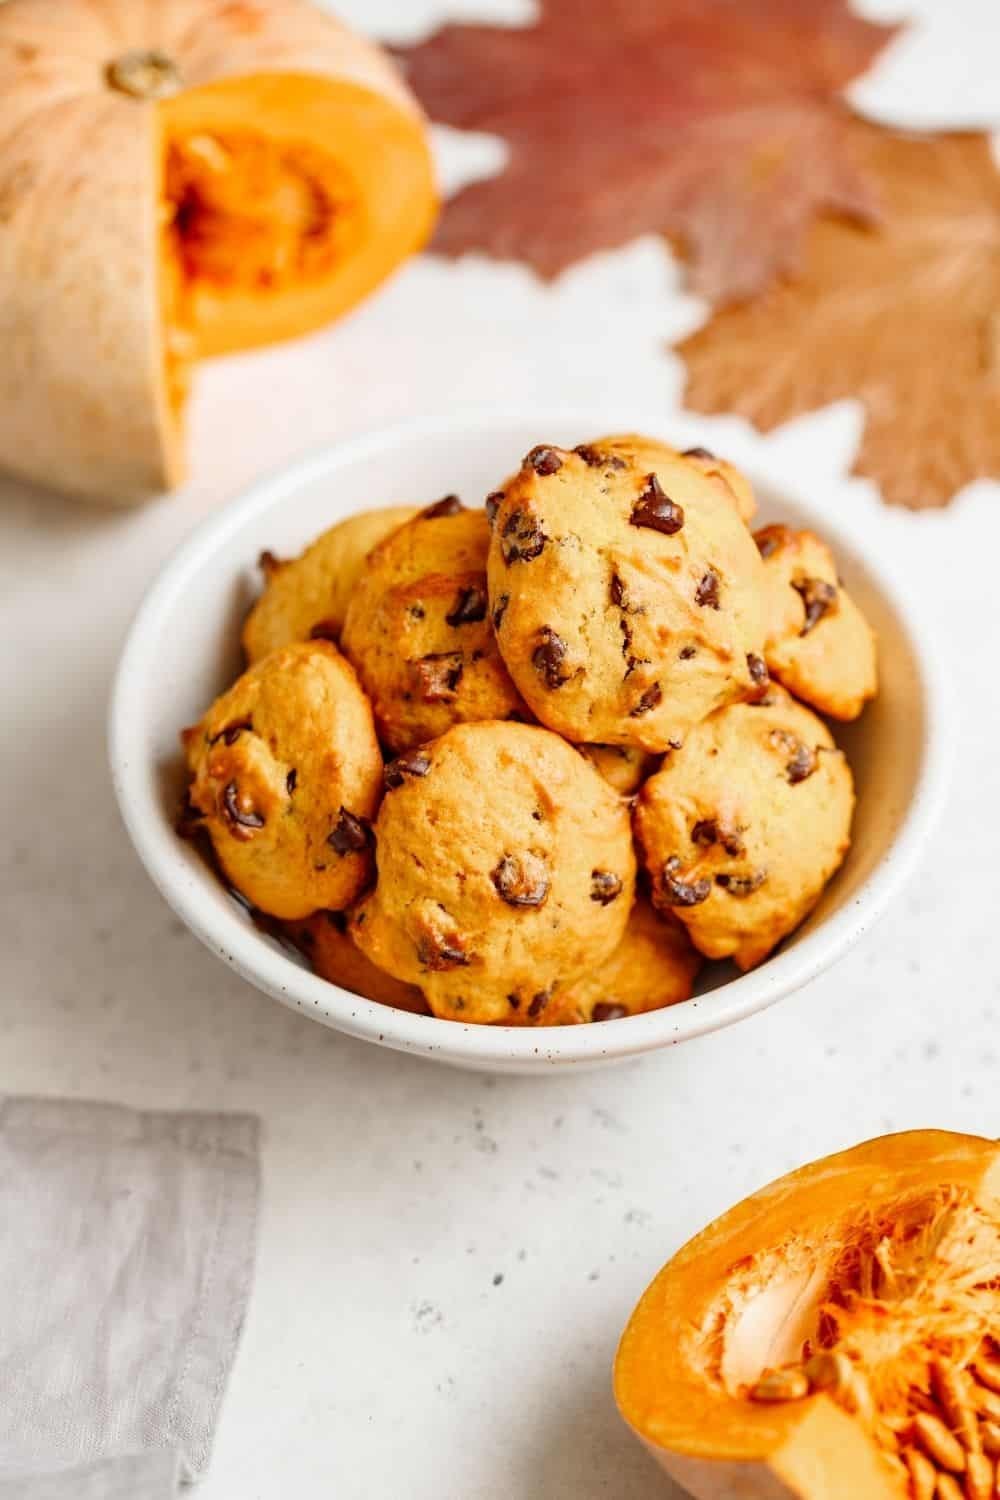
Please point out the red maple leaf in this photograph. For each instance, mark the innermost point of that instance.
(716, 122)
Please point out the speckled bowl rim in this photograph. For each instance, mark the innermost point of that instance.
(505, 1048)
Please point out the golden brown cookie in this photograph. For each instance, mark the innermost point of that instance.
(819, 644)
(625, 593)
(312, 591)
(286, 774)
(654, 965)
(718, 470)
(326, 942)
(743, 826)
(625, 767)
(505, 865)
(418, 629)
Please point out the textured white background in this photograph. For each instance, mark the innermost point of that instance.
(383, 1357)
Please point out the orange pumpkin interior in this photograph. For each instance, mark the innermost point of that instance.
(275, 219)
(834, 1335)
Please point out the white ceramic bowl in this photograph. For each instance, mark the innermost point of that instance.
(183, 650)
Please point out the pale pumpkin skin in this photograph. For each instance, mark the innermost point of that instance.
(84, 400)
(717, 1445)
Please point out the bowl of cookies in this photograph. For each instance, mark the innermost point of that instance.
(524, 743)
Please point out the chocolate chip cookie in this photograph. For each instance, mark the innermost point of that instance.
(505, 866)
(325, 941)
(286, 775)
(743, 826)
(625, 592)
(311, 592)
(819, 644)
(418, 629)
(654, 965)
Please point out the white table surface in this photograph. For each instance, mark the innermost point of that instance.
(446, 1260)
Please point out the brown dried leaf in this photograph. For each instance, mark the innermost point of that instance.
(714, 122)
(906, 319)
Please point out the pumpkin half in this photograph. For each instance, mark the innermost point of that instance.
(180, 179)
(834, 1337)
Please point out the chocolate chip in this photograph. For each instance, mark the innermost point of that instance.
(704, 453)
(514, 1001)
(543, 460)
(470, 607)
(802, 761)
(549, 658)
(493, 503)
(439, 675)
(650, 698)
(757, 669)
(521, 880)
(708, 831)
(500, 610)
(770, 540)
(655, 510)
(351, 835)
(818, 596)
(269, 564)
(237, 816)
(232, 732)
(291, 781)
(416, 612)
(538, 1003)
(686, 652)
(617, 591)
(337, 920)
(439, 956)
(679, 892)
(802, 764)
(448, 505)
(707, 592)
(413, 763)
(324, 630)
(605, 886)
(608, 1010)
(523, 538)
(742, 885)
(595, 459)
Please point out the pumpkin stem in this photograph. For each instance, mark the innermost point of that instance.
(144, 75)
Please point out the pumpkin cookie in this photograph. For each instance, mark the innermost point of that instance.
(625, 593)
(654, 965)
(505, 865)
(418, 629)
(326, 943)
(625, 767)
(286, 774)
(310, 593)
(819, 644)
(744, 825)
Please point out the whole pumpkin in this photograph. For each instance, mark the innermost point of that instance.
(181, 178)
(834, 1336)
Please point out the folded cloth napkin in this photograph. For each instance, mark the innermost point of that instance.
(126, 1255)
(135, 1476)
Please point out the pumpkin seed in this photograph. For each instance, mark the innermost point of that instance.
(938, 1443)
(780, 1385)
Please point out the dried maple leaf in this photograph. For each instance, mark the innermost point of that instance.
(906, 319)
(715, 122)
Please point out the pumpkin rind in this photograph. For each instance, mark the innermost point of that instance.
(715, 1441)
(86, 396)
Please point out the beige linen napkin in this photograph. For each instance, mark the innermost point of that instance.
(126, 1255)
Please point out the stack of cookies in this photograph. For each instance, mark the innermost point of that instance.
(532, 763)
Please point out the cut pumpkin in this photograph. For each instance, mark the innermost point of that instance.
(181, 180)
(833, 1336)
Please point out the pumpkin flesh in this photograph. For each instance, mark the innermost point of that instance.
(798, 1345)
